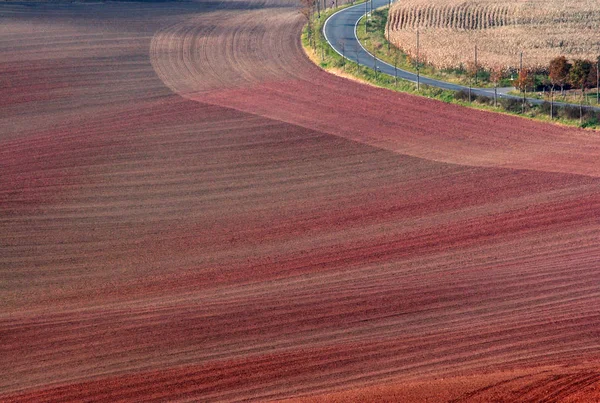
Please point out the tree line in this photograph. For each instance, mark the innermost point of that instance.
(561, 73)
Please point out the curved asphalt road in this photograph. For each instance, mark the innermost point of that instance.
(340, 32)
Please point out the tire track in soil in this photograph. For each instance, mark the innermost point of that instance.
(538, 387)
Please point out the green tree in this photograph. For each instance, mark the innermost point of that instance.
(579, 78)
(590, 80)
(579, 73)
(594, 78)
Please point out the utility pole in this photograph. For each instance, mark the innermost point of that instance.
(470, 82)
(496, 96)
(318, 8)
(388, 25)
(581, 105)
(375, 65)
(521, 62)
(475, 65)
(396, 69)
(552, 102)
(418, 67)
(522, 84)
(597, 81)
(366, 15)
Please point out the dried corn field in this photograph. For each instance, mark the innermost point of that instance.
(450, 30)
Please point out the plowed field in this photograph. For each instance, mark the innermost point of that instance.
(191, 210)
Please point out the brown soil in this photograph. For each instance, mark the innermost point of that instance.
(191, 210)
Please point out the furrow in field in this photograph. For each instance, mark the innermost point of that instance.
(190, 210)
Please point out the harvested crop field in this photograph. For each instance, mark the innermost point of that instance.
(191, 210)
(450, 30)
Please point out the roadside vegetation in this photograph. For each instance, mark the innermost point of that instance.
(374, 40)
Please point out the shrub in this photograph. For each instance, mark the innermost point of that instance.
(436, 92)
(484, 75)
(569, 112)
(545, 109)
(462, 95)
(511, 104)
(482, 99)
(338, 62)
(446, 96)
(589, 113)
(590, 121)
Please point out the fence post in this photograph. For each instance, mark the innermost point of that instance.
(496, 96)
(388, 25)
(366, 16)
(552, 103)
(418, 67)
(375, 65)
(476, 65)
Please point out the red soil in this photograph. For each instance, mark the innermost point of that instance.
(190, 210)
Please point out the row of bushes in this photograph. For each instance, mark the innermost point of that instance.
(508, 104)
(589, 116)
